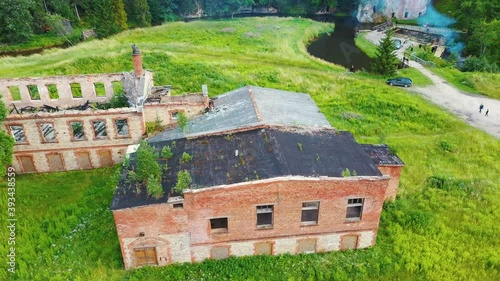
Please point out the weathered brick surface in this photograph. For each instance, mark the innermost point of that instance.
(164, 111)
(64, 90)
(238, 203)
(65, 145)
(394, 172)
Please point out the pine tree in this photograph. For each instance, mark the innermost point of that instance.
(385, 62)
(108, 24)
(119, 15)
(138, 12)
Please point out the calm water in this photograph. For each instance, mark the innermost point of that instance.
(339, 47)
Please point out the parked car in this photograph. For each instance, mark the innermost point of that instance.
(400, 81)
(397, 43)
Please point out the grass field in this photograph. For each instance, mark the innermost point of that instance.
(443, 226)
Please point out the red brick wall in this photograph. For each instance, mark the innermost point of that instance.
(238, 203)
(152, 220)
(394, 172)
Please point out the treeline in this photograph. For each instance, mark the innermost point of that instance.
(21, 19)
(480, 19)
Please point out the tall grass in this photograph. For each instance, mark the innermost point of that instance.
(443, 225)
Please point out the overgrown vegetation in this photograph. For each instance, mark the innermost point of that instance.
(183, 181)
(428, 233)
(182, 121)
(148, 171)
(6, 143)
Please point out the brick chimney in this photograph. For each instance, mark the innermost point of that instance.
(137, 60)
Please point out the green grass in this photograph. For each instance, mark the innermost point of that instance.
(445, 231)
(483, 83)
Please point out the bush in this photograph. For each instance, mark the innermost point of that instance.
(186, 158)
(473, 63)
(183, 181)
(166, 152)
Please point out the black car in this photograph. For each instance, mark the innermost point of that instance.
(400, 81)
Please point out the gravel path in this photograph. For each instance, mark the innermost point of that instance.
(463, 105)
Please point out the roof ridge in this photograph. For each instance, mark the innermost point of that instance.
(252, 97)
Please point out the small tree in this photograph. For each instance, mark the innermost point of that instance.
(385, 61)
(148, 169)
(166, 152)
(183, 181)
(182, 121)
(186, 158)
(154, 187)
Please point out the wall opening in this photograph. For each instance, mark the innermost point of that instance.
(83, 160)
(53, 92)
(34, 93)
(99, 129)
(406, 15)
(354, 209)
(219, 253)
(263, 248)
(121, 127)
(419, 14)
(218, 225)
(17, 132)
(145, 256)
(55, 162)
(77, 131)
(306, 246)
(265, 216)
(349, 242)
(27, 164)
(48, 133)
(100, 91)
(117, 87)
(76, 90)
(15, 93)
(105, 158)
(310, 211)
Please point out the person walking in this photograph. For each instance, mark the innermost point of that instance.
(481, 108)
(487, 111)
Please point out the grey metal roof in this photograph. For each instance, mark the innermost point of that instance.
(251, 106)
(261, 154)
(381, 154)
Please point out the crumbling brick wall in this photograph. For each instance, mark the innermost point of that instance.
(65, 152)
(87, 85)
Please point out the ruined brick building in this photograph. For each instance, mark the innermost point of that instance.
(269, 176)
(63, 123)
(269, 173)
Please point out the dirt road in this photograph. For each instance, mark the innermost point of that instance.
(461, 104)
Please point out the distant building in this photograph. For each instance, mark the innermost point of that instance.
(270, 176)
(378, 10)
(59, 123)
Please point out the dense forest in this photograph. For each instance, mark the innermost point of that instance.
(20, 20)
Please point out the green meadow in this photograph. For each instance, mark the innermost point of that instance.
(443, 225)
